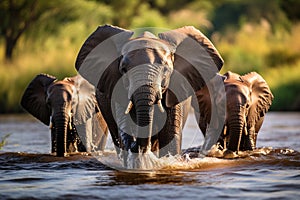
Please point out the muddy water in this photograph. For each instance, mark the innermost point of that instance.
(27, 170)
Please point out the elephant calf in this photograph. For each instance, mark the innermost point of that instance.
(248, 98)
(69, 107)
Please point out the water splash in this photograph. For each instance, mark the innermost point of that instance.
(142, 161)
(192, 159)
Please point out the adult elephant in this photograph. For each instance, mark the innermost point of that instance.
(144, 83)
(69, 107)
(248, 99)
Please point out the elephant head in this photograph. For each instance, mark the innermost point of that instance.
(58, 102)
(144, 75)
(260, 99)
(248, 99)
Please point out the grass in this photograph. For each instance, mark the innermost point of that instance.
(3, 140)
(285, 85)
(276, 56)
(15, 76)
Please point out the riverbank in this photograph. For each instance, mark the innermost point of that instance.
(284, 81)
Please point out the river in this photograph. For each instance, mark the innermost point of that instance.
(28, 171)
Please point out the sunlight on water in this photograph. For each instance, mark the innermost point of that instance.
(149, 162)
(190, 160)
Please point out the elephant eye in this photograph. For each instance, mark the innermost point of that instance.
(163, 83)
(124, 63)
(48, 102)
(165, 77)
(122, 69)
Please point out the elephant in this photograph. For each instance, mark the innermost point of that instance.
(248, 98)
(144, 83)
(69, 108)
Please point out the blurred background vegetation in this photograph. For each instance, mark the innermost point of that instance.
(251, 35)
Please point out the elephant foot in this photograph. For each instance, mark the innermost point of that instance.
(134, 148)
(64, 155)
(228, 154)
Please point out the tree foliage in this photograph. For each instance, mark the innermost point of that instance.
(45, 36)
(35, 18)
(19, 16)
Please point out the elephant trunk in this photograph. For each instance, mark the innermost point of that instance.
(235, 123)
(143, 100)
(61, 120)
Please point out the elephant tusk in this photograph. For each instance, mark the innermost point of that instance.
(70, 125)
(245, 126)
(161, 108)
(51, 123)
(70, 121)
(246, 131)
(225, 138)
(130, 104)
(225, 130)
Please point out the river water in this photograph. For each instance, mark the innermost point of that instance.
(28, 171)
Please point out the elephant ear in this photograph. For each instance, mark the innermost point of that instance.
(196, 61)
(34, 97)
(83, 101)
(261, 97)
(98, 58)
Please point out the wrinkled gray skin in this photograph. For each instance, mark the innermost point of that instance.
(148, 71)
(248, 99)
(68, 106)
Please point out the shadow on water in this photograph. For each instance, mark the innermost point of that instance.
(19, 160)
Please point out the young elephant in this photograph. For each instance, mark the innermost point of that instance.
(248, 98)
(145, 83)
(70, 108)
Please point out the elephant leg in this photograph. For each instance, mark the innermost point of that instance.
(202, 125)
(100, 132)
(76, 140)
(171, 135)
(155, 145)
(107, 113)
(250, 142)
(125, 127)
(99, 139)
(250, 139)
(85, 133)
(223, 138)
(71, 140)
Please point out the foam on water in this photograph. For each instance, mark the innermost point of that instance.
(193, 160)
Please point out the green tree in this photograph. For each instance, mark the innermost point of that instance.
(19, 16)
(234, 13)
(133, 13)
